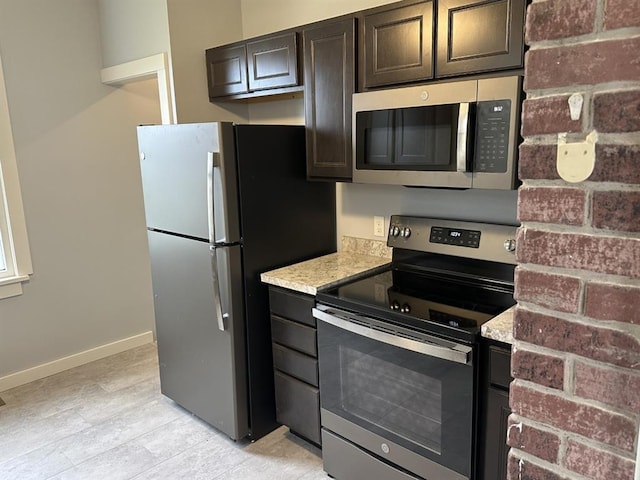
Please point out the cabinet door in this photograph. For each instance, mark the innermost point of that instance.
(273, 62)
(298, 406)
(329, 85)
(227, 71)
(479, 35)
(397, 45)
(495, 441)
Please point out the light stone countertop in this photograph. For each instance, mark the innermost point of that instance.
(311, 275)
(357, 258)
(500, 328)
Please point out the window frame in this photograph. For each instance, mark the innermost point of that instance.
(13, 229)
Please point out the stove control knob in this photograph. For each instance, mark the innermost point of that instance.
(395, 305)
(395, 231)
(406, 308)
(406, 232)
(510, 245)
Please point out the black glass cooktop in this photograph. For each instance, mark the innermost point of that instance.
(453, 305)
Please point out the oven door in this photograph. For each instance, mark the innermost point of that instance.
(404, 396)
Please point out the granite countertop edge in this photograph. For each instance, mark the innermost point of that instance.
(500, 328)
(324, 272)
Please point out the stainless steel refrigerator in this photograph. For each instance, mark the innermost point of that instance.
(224, 203)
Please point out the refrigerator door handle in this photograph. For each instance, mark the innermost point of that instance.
(217, 298)
(213, 161)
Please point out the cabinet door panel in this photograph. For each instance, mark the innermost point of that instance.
(273, 62)
(227, 71)
(479, 35)
(398, 45)
(329, 85)
(496, 449)
(298, 406)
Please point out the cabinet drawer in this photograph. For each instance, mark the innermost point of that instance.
(296, 364)
(298, 406)
(294, 335)
(294, 306)
(499, 366)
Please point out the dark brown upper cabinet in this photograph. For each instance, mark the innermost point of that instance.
(227, 70)
(479, 35)
(396, 44)
(329, 64)
(257, 67)
(273, 62)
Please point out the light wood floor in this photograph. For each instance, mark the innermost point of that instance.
(108, 420)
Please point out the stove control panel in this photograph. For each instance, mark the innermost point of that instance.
(483, 241)
(455, 236)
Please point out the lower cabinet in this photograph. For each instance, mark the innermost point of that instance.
(295, 362)
(496, 377)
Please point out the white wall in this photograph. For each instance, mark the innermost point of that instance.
(184, 29)
(131, 30)
(76, 150)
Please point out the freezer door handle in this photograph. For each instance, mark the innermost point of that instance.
(213, 161)
(217, 298)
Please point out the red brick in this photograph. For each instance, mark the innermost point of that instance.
(607, 385)
(616, 210)
(587, 63)
(560, 19)
(617, 163)
(597, 464)
(542, 444)
(539, 368)
(611, 302)
(546, 115)
(571, 416)
(552, 205)
(595, 253)
(621, 13)
(520, 469)
(558, 292)
(616, 112)
(537, 162)
(589, 341)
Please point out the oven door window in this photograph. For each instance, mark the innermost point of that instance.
(416, 138)
(420, 402)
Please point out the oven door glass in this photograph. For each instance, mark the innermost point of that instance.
(418, 401)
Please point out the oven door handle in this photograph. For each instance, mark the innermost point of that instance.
(436, 347)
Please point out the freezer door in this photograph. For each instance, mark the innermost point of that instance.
(178, 180)
(201, 367)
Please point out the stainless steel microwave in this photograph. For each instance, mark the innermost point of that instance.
(461, 134)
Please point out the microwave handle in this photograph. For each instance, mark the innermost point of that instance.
(463, 136)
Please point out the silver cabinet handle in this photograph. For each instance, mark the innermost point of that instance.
(463, 132)
(452, 351)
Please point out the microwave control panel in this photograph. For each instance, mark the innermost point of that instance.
(492, 136)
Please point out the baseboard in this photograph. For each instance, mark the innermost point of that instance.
(75, 360)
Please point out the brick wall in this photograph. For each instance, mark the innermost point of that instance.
(576, 357)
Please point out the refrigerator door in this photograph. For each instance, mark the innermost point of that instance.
(185, 172)
(201, 367)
